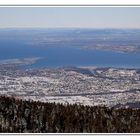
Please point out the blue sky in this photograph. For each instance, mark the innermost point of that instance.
(81, 17)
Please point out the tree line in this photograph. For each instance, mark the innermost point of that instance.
(20, 116)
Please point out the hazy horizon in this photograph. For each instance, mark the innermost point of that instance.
(70, 17)
(138, 28)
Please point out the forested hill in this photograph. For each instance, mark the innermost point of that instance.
(18, 116)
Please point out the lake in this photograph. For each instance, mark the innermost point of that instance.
(57, 55)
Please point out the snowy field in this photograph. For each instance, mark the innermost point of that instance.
(98, 86)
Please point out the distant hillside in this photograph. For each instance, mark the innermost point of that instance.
(18, 116)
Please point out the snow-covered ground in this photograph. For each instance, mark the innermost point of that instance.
(103, 87)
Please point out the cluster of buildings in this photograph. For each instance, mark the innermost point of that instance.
(105, 86)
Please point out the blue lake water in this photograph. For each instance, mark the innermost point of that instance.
(57, 56)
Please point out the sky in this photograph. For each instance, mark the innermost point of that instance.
(69, 17)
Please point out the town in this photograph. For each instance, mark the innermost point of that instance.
(81, 85)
